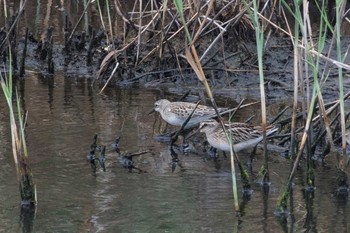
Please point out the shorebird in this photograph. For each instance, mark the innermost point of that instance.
(242, 135)
(176, 113)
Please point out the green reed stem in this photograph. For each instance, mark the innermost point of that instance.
(19, 148)
(340, 6)
(180, 9)
(109, 18)
(86, 17)
(101, 18)
(296, 87)
(313, 61)
(5, 9)
(259, 35)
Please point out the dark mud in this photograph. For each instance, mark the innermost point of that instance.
(232, 73)
(230, 65)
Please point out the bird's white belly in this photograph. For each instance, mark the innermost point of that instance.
(173, 119)
(225, 145)
(219, 145)
(247, 144)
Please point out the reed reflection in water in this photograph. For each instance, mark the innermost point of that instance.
(64, 116)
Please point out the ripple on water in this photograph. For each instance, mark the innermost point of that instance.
(197, 197)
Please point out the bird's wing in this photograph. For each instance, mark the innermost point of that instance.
(242, 132)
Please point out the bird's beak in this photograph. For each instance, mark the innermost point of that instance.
(152, 111)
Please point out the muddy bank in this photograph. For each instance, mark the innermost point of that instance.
(153, 57)
(232, 72)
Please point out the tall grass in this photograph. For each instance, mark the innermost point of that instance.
(194, 61)
(259, 37)
(19, 147)
(109, 38)
(339, 10)
(308, 65)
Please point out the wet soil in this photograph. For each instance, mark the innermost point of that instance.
(233, 72)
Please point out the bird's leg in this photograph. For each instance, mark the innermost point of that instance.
(93, 165)
(213, 153)
(115, 145)
(102, 158)
(250, 160)
(205, 150)
(174, 159)
(185, 145)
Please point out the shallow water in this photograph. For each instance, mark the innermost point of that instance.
(64, 115)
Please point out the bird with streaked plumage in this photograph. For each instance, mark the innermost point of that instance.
(242, 135)
(176, 113)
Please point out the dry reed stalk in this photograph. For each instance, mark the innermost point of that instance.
(139, 33)
(108, 58)
(20, 11)
(193, 60)
(79, 20)
(162, 32)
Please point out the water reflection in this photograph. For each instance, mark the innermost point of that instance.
(65, 114)
(27, 219)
